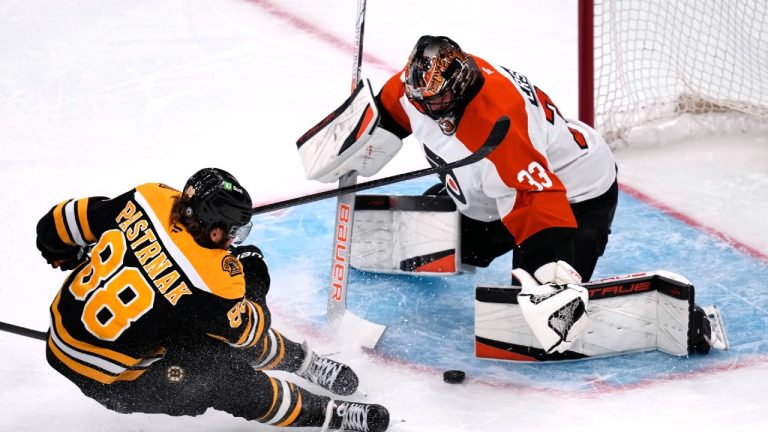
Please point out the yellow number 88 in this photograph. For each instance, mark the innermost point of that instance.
(125, 296)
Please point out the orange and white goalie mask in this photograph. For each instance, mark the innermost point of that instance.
(440, 78)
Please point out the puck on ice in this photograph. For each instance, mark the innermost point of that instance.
(453, 376)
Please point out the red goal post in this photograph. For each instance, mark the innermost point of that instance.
(652, 71)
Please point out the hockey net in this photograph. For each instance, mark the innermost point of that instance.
(663, 70)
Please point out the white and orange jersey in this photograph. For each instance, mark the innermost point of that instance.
(544, 163)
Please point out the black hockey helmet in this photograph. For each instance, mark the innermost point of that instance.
(440, 76)
(213, 198)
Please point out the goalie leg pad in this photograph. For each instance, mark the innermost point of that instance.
(406, 234)
(632, 313)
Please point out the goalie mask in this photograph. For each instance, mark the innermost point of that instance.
(213, 198)
(440, 77)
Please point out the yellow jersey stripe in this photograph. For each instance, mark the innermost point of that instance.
(285, 403)
(281, 353)
(79, 367)
(61, 227)
(82, 217)
(272, 382)
(295, 413)
(260, 326)
(66, 338)
(131, 374)
(247, 337)
(92, 373)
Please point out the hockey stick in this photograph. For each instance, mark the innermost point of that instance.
(497, 134)
(341, 320)
(23, 331)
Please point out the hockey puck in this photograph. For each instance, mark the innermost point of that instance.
(453, 376)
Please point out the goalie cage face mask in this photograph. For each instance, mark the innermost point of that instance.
(439, 76)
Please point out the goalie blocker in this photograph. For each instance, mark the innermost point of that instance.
(632, 313)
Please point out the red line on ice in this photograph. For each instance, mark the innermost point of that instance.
(302, 24)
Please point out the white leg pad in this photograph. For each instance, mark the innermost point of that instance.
(641, 312)
(400, 238)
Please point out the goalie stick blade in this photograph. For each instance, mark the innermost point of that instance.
(494, 139)
(355, 331)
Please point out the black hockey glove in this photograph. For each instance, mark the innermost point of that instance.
(254, 269)
(66, 259)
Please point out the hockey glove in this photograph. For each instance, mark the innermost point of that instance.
(555, 311)
(254, 269)
(558, 272)
(66, 259)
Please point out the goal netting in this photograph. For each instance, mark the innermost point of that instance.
(667, 69)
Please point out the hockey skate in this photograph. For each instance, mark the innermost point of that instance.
(329, 374)
(358, 417)
(709, 329)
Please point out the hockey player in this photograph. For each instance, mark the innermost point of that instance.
(168, 315)
(548, 192)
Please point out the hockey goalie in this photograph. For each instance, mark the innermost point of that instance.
(548, 193)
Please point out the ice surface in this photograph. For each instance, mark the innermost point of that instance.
(99, 96)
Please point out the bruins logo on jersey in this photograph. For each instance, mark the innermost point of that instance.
(231, 265)
(175, 374)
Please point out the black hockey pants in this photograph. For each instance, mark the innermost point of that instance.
(482, 242)
(191, 379)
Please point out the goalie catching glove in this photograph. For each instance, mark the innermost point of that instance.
(556, 310)
(348, 139)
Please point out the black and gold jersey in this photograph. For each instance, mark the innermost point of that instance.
(147, 283)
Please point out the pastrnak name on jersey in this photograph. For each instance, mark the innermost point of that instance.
(150, 254)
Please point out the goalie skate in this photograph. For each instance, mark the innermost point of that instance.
(717, 337)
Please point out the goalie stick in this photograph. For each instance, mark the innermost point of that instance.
(339, 317)
(497, 134)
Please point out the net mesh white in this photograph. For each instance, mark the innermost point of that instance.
(657, 60)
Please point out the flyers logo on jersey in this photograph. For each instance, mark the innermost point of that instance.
(448, 178)
(230, 264)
